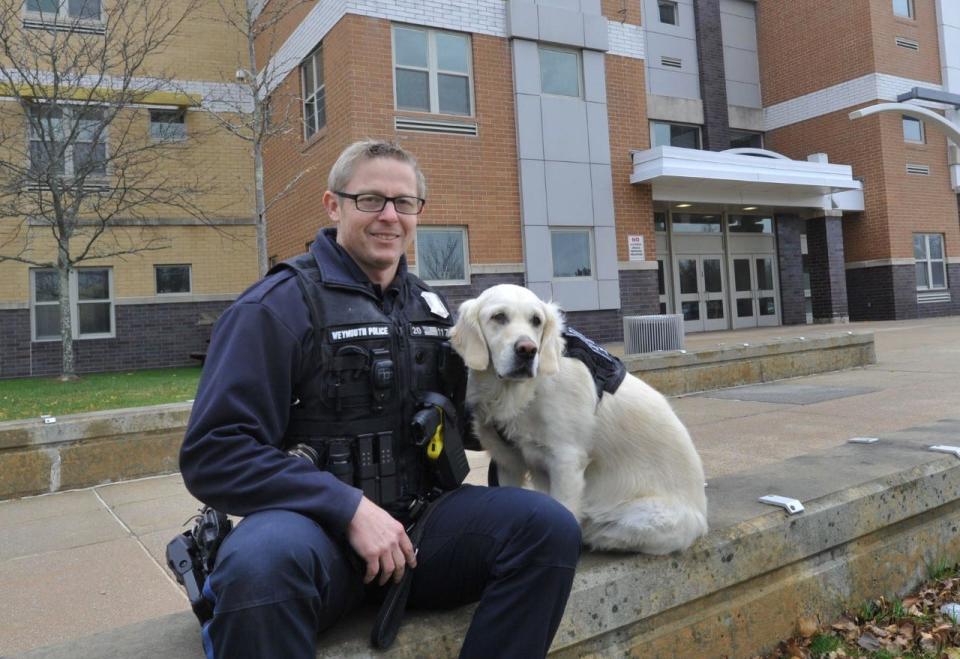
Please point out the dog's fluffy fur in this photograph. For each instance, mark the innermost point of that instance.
(626, 467)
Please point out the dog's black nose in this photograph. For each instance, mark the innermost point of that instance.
(526, 349)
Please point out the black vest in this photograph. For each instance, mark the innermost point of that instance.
(373, 369)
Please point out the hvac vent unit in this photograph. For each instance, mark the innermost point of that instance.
(672, 62)
(432, 126)
(933, 298)
(651, 333)
(920, 170)
(909, 44)
(78, 27)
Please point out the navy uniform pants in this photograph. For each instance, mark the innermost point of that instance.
(281, 580)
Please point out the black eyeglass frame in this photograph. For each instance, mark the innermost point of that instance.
(422, 202)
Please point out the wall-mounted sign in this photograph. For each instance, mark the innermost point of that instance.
(635, 248)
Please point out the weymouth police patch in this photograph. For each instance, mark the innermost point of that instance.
(363, 332)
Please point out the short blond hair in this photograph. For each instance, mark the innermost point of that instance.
(342, 171)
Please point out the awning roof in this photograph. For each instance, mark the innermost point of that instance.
(729, 177)
(102, 94)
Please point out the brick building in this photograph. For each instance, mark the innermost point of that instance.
(152, 308)
(621, 158)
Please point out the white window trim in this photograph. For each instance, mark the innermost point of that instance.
(316, 90)
(69, 109)
(911, 10)
(677, 123)
(592, 249)
(930, 261)
(74, 307)
(676, 12)
(580, 83)
(189, 268)
(62, 17)
(466, 255)
(923, 132)
(432, 69)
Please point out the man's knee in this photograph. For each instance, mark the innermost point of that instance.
(544, 531)
(272, 555)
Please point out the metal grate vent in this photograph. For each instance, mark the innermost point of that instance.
(79, 27)
(920, 170)
(909, 44)
(672, 62)
(651, 333)
(933, 298)
(433, 126)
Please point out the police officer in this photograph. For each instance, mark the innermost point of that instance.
(333, 351)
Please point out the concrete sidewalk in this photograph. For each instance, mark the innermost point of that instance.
(76, 563)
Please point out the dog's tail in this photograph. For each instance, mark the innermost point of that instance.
(653, 525)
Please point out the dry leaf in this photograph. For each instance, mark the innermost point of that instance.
(807, 626)
(869, 642)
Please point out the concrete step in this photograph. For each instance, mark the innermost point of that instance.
(875, 515)
(81, 450)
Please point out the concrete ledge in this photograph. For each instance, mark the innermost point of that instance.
(875, 516)
(683, 372)
(81, 450)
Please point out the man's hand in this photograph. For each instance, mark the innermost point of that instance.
(381, 542)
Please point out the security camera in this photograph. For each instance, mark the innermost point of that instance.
(241, 75)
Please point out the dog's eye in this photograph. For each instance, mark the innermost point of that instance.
(499, 318)
(535, 321)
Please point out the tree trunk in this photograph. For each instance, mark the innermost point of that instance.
(261, 209)
(67, 368)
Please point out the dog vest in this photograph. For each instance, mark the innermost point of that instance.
(607, 371)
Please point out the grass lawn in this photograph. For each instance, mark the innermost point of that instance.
(30, 397)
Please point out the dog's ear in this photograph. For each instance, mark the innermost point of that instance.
(467, 337)
(551, 343)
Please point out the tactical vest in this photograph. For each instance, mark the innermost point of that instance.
(374, 369)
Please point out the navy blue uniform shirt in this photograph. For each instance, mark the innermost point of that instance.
(261, 347)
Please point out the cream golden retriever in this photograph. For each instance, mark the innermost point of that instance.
(624, 464)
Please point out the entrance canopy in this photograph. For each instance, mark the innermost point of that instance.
(746, 176)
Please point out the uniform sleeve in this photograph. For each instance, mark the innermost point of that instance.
(231, 457)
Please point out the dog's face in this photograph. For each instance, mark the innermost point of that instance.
(508, 328)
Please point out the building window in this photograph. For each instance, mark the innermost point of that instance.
(168, 125)
(432, 71)
(743, 139)
(668, 12)
(54, 153)
(91, 303)
(64, 10)
(314, 93)
(172, 279)
(903, 8)
(442, 255)
(572, 253)
(930, 262)
(913, 130)
(559, 72)
(750, 224)
(696, 223)
(682, 135)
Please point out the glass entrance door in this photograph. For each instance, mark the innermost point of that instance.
(700, 284)
(754, 291)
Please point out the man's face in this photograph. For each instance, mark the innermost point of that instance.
(376, 241)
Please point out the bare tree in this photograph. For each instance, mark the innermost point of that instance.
(267, 115)
(444, 261)
(78, 168)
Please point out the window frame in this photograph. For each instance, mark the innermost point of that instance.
(465, 247)
(591, 248)
(433, 70)
(930, 261)
(745, 133)
(911, 10)
(62, 16)
(654, 122)
(319, 91)
(676, 12)
(923, 133)
(558, 49)
(180, 112)
(67, 111)
(156, 274)
(75, 303)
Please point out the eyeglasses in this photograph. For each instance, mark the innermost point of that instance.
(374, 203)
